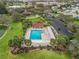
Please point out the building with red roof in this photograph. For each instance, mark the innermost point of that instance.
(38, 24)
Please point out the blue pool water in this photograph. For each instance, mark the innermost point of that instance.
(36, 34)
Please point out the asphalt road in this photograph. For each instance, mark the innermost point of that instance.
(58, 25)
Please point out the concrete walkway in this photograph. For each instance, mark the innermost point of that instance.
(55, 32)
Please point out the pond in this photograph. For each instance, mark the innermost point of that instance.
(2, 30)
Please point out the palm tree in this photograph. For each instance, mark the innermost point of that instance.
(15, 45)
(53, 43)
(62, 39)
(74, 46)
(2, 8)
(17, 17)
(28, 42)
(60, 43)
(77, 12)
(15, 42)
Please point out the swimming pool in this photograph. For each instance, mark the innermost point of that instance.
(36, 34)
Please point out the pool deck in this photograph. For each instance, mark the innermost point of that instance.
(46, 36)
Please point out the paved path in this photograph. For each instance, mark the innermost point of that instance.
(54, 31)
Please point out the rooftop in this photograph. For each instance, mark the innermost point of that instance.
(38, 24)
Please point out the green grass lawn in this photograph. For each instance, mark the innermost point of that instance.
(76, 23)
(43, 54)
(36, 19)
(16, 29)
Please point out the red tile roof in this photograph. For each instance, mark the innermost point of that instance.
(38, 24)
